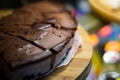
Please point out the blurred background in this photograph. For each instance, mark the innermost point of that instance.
(104, 35)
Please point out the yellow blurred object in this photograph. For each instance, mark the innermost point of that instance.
(118, 79)
(112, 46)
(97, 63)
(4, 13)
(94, 39)
(105, 11)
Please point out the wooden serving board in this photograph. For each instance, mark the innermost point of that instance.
(4, 13)
(105, 11)
(78, 63)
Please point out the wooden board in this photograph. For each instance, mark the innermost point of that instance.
(105, 11)
(4, 13)
(78, 63)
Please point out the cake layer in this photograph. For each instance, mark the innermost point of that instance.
(35, 39)
(38, 68)
(15, 49)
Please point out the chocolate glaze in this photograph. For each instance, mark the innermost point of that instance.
(35, 39)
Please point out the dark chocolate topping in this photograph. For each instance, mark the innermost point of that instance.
(36, 32)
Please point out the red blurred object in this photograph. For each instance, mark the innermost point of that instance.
(105, 31)
(119, 36)
(73, 12)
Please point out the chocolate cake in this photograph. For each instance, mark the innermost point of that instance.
(35, 39)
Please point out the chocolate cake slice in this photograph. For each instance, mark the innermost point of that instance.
(35, 40)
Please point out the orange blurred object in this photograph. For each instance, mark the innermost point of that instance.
(94, 39)
(112, 46)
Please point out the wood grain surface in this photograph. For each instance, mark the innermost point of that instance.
(77, 64)
(105, 11)
(4, 13)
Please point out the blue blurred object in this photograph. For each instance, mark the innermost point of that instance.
(116, 32)
(113, 36)
(83, 7)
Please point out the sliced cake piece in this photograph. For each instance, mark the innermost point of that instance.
(35, 39)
